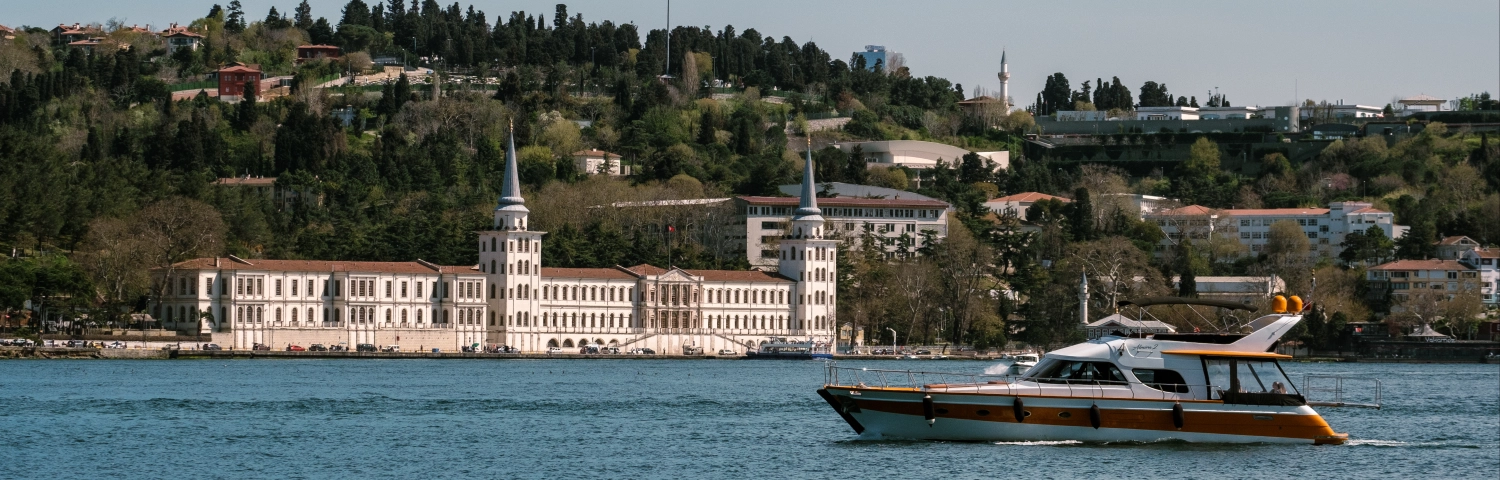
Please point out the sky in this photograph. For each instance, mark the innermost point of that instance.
(1270, 52)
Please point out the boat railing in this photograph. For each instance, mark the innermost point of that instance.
(939, 382)
(1326, 390)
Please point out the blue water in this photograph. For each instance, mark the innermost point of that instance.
(636, 419)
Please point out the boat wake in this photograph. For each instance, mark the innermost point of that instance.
(1041, 443)
(1002, 368)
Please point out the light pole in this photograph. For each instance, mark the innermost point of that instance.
(893, 339)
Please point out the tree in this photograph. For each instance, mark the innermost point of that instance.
(1369, 248)
(1285, 254)
(1056, 95)
(303, 16)
(235, 21)
(1081, 216)
(1417, 243)
(1203, 159)
(246, 113)
(175, 230)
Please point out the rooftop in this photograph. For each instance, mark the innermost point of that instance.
(234, 263)
(1029, 197)
(1431, 264)
(246, 181)
(846, 202)
(595, 153)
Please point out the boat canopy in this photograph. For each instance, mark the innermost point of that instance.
(1150, 301)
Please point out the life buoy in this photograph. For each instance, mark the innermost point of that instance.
(1177, 417)
(1019, 409)
(1094, 419)
(927, 410)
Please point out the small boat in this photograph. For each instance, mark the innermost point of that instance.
(782, 349)
(1222, 387)
(1022, 364)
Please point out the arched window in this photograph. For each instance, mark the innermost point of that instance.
(387, 316)
(260, 314)
(294, 317)
(403, 316)
(309, 315)
(419, 316)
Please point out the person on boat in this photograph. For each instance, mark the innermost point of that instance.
(1278, 387)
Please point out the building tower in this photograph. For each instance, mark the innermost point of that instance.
(510, 255)
(1004, 82)
(809, 258)
(1083, 298)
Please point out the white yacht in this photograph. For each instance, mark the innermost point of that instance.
(1199, 387)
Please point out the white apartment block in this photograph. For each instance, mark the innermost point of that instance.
(767, 220)
(1325, 227)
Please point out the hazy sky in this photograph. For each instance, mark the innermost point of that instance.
(1257, 53)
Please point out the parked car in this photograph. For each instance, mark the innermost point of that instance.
(317, 347)
(391, 348)
(338, 348)
(364, 347)
(261, 347)
(552, 350)
(295, 348)
(115, 345)
(923, 352)
(727, 353)
(212, 346)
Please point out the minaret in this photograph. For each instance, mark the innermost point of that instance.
(1083, 298)
(1004, 81)
(510, 256)
(809, 258)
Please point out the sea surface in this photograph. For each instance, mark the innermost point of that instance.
(357, 418)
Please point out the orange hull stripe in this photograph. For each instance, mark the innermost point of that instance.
(1227, 423)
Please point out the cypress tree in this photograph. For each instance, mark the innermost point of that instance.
(1082, 215)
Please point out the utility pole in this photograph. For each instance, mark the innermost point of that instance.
(668, 71)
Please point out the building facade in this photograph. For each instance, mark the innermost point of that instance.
(509, 298)
(917, 154)
(1403, 280)
(1325, 227)
(768, 219)
(238, 78)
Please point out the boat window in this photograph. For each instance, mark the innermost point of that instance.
(1070, 372)
(1248, 380)
(1164, 380)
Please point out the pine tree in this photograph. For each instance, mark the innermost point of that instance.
(1082, 216)
(303, 15)
(247, 114)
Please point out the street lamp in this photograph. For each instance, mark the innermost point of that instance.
(893, 339)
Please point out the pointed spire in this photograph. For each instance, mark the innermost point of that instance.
(510, 190)
(809, 205)
(1002, 59)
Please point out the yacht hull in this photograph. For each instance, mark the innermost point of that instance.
(901, 413)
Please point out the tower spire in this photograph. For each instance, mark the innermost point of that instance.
(809, 205)
(1083, 297)
(510, 189)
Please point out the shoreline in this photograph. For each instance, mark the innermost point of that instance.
(7, 353)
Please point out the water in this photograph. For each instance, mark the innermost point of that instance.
(636, 419)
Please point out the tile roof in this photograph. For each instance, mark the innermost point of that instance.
(739, 276)
(600, 273)
(1030, 197)
(595, 153)
(646, 269)
(1188, 210)
(319, 266)
(1487, 252)
(1457, 240)
(1431, 264)
(846, 202)
(1274, 212)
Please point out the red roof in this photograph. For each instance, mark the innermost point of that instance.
(240, 67)
(1186, 211)
(176, 31)
(739, 276)
(1487, 252)
(319, 266)
(846, 202)
(594, 153)
(647, 269)
(1030, 197)
(1274, 212)
(1422, 265)
(600, 273)
(1457, 240)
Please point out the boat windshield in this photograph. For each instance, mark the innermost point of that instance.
(1076, 373)
(1255, 381)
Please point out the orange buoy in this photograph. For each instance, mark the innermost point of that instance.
(1294, 304)
(1278, 304)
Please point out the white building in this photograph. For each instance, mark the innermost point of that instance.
(1166, 113)
(1241, 289)
(1487, 262)
(767, 219)
(1016, 205)
(1342, 112)
(1421, 103)
(592, 162)
(1228, 113)
(1143, 204)
(1120, 325)
(917, 154)
(1325, 227)
(509, 298)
